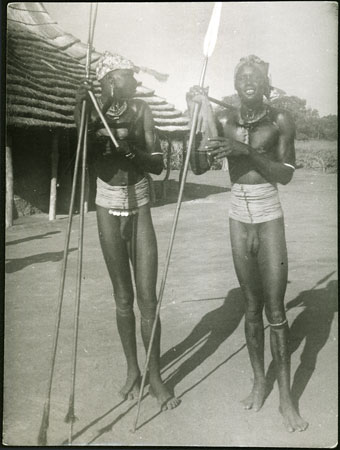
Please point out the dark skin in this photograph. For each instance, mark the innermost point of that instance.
(136, 136)
(259, 250)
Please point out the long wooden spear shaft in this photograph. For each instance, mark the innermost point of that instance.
(70, 416)
(208, 48)
(42, 437)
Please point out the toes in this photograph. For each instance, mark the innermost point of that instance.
(174, 403)
(289, 428)
(257, 406)
(302, 426)
(247, 405)
(170, 404)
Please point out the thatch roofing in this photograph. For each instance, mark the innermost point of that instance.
(44, 67)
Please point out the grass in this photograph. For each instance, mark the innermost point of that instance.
(311, 154)
(317, 154)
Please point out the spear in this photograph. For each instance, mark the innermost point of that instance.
(70, 416)
(42, 437)
(208, 48)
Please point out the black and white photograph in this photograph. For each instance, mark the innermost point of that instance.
(170, 224)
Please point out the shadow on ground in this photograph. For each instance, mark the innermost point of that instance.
(192, 191)
(16, 264)
(205, 338)
(32, 238)
(312, 326)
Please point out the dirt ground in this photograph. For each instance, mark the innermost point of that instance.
(204, 357)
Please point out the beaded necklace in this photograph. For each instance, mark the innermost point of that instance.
(114, 112)
(251, 122)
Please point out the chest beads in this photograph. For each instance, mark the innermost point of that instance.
(114, 113)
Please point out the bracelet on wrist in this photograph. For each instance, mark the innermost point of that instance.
(130, 155)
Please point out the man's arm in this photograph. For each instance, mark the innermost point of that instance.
(150, 160)
(281, 170)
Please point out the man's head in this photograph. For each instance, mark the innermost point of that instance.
(116, 75)
(251, 79)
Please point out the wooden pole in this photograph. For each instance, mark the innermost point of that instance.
(87, 191)
(54, 175)
(168, 168)
(184, 155)
(9, 183)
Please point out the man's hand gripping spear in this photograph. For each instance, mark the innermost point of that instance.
(208, 48)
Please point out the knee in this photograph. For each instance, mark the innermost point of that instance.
(254, 314)
(147, 304)
(276, 317)
(124, 305)
(254, 306)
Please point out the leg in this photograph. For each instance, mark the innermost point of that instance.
(117, 261)
(246, 267)
(274, 268)
(146, 279)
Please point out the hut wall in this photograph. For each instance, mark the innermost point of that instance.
(173, 144)
(32, 170)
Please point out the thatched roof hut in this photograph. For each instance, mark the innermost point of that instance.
(44, 66)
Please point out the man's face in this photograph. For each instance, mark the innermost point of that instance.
(123, 82)
(250, 84)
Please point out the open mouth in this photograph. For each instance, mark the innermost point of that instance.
(250, 91)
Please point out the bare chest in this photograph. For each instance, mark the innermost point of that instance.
(259, 136)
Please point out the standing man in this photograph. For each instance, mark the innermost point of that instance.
(124, 219)
(258, 141)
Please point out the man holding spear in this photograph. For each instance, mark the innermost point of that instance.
(123, 211)
(259, 144)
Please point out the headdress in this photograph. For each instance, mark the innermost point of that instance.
(109, 62)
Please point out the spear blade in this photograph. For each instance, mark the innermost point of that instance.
(211, 34)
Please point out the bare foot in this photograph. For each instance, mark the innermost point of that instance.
(131, 388)
(163, 396)
(292, 420)
(257, 396)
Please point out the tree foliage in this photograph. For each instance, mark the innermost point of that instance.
(309, 125)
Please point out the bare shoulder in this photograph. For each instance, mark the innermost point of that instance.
(139, 105)
(283, 119)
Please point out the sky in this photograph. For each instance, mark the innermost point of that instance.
(297, 38)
